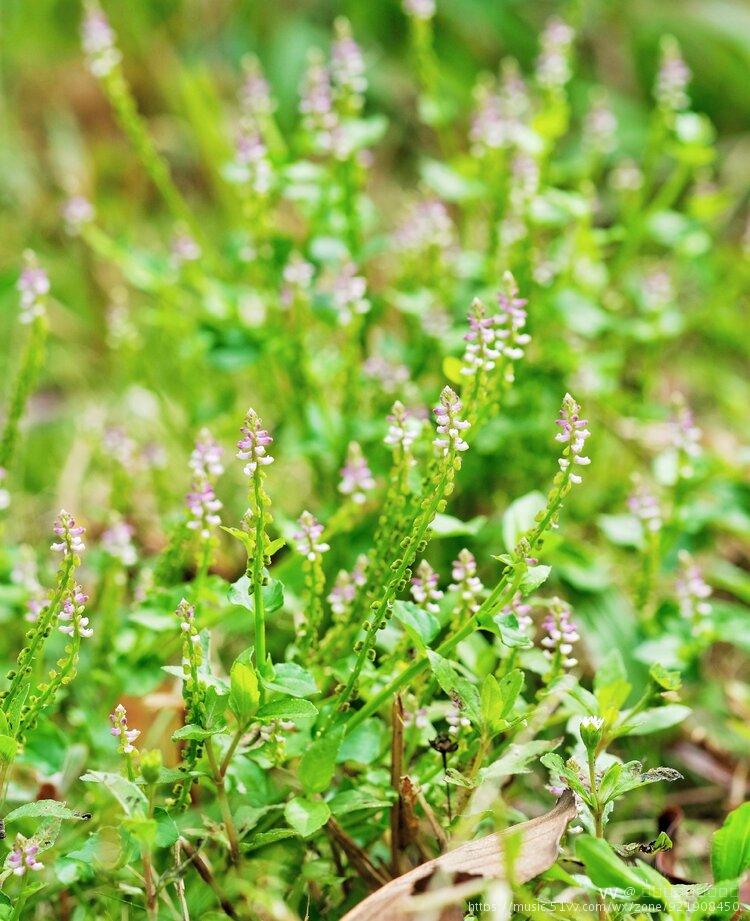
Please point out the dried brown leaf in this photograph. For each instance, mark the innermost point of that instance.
(483, 858)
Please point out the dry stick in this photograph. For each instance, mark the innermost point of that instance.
(397, 770)
(437, 828)
(372, 875)
(207, 876)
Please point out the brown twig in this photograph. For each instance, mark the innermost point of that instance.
(397, 770)
(207, 876)
(372, 875)
(436, 827)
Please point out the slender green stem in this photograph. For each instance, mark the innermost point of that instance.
(221, 796)
(259, 604)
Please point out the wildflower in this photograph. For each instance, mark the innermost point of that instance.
(124, 735)
(573, 433)
(251, 165)
(497, 119)
(561, 633)
(456, 721)
(120, 447)
(426, 226)
(553, 63)
(255, 95)
(418, 719)
(117, 542)
(186, 615)
(424, 587)
(184, 249)
(692, 590)
(626, 176)
(466, 581)
(298, 276)
(203, 507)
(600, 126)
(356, 477)
(419, 9)
(347, 67)
(33, 286)
(69, 534)
(449, 424)
(252, 446)
(590, 729)
(23, 857)
(403, 428)
(389, 375)
(98, 41)
(657, 290)
(72, 620)
(672, 78)
(645, 506)
(308, 537)
(685, 435)
(481, 353)
(205, 461)
(77, 212)
(316, 104)
(519, 609)
(345, 586)
(510, 322)
(4, 494)
(349, 290)
(524, 181)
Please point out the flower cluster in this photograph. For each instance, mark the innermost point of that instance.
(600, 126)
(424, 587)
(511, 321)
(449, 424)
(69, 534)
(672, 78)
(356, 477)
(252, 446)
(573, 433)
(344, 591)
(427, 226)
(456, 719)
(98, 41)
(33, 286)
(645, 506)
(498, 117)
(692, 590)
(117, 542)
(122, 732)
(23, 857)
(206, 459)
(553, 63)
(251, 166)
(186, 614)
(298, 275)
(202, 503)
(76, 213)
(685, 436)
(316, 105)
(390, 375)
(466, 581)
(71, 616)
(403, 428)
(347, 68)
(561, 633)
(481, 350)
(348, 294)
(308, 535)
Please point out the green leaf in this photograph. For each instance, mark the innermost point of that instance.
(244, 693)
(456, 686)
(318, 762)
(447, 525)
(611, 686)
(306, 816)
(355, 801)
(167, 831)
(8, 749)
(607, 871)
(730, 846)
(666, 679)
(449, 184)
(43, 808)
(534, 577)
(421, 626)
(291, 679)
(654, 720)
(241, 593)
(516, 758)
(127, 794)
(289, 709)
(193, 733)
(519, 517)
(364, 744)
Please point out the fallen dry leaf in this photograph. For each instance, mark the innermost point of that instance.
(540, 839)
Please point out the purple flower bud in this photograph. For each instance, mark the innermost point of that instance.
(98, 41)
(308, 535)
(69, 534)
(449, 424)
(252, 446)
(424, 587)
(672, 79)
(33, 286)
(356, 476)
(465, 580)
(122, 732)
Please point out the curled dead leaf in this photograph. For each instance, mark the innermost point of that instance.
(480, 859)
